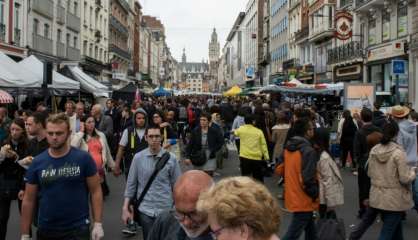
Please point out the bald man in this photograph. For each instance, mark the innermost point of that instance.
(103, 123)
(183, 222)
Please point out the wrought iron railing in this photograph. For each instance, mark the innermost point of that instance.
(345, 52)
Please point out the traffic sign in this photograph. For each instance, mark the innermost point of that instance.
(398, 67)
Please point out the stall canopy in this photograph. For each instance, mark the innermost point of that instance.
(161, 92)
(235, 90)
(295, 86)
(13, 76)
(125, 93)
(59, 81)
(88, 83)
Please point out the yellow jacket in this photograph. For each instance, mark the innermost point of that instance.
(252, 143)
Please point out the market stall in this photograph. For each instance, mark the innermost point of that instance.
(162, 92)
(234, 91)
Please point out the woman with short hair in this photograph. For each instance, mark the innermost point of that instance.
(240, 208)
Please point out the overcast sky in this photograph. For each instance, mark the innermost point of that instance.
(189, 23)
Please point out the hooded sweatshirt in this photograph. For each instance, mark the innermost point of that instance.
(407, 138)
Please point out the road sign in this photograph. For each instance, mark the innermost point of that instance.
(249, 72)
(398, 67)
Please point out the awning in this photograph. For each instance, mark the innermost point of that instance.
(59, 81)
(89, 84)
(12, 75)
(5, 97)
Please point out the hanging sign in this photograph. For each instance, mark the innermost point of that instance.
(343, 25)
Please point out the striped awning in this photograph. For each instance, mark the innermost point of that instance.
(5, 97)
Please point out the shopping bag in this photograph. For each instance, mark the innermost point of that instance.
(330, 229)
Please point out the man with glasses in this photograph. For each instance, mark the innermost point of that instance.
(159, 197)
(183, 222)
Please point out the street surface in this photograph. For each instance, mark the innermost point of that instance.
(113, 204)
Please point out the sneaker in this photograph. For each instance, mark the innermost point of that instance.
(355, 173)
(131, 228)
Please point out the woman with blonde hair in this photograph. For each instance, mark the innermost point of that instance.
(240, 208)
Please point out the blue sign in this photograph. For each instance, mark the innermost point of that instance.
(249, 72)
(398, 67)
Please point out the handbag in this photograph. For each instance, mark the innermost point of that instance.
(158, 166)
(330, 229)
(198, 158)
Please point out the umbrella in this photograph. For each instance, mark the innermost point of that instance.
(235, 90)
(160, 92)
(5, 97)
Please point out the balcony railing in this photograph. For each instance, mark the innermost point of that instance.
(360, 3)
(120, 52)
(124, 5)
(301, 34)
(17, 36)
(118, 26)
(60, 14)
(2, 32)
(61, 50)
(73, 22)
(293, 4)
(348, 51)
(73, 54)
(44, 7)
(42, 44)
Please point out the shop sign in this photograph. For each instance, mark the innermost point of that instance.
(119, 76)
(347, 71)
(388, 51)
(344, 25)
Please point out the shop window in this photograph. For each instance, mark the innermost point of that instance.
(385, 26)
(372, 31)
(402, 19)
(376, 77)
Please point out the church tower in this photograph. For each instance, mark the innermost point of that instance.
(183, 57)
(214, 51)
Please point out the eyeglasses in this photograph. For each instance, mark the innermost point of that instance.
(181, 216)
(215, 233)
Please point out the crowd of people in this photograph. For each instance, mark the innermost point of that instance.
(56, 165)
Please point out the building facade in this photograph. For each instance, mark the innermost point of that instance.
(214, 51)
(194, 75)
(13, 28)
(94, 38)
(279, 47)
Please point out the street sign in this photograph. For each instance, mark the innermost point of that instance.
(249, 72)
(398, 67)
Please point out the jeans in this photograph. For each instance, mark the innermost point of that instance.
(146, 223)
(80, 233)
(392, 225)
(366, 221)
(301, 221)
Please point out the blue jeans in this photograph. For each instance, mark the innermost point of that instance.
(392, 225)
(367, 220)
(80, 233)
(301, 221)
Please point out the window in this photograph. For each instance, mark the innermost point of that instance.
(76, 8)
(100, 54)
(67, 41)
(85, 47)
(372, 31)
(95, 52)
(402, 19)
(1, 11)
(46, 30)
(68, 5)
(75, 42)
(104, 56)
(91, 50)
(91, 16)
(385, 26)
(17, 15)
(35, 26)
(59, 35)
(85, 11)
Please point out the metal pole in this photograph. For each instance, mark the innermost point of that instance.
(398, 96)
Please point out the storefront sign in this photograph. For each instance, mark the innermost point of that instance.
(350, 70)
(388, 51)
(119, 76)
(357, 96)
(344, 25)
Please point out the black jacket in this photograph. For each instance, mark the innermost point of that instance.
(379, 119)
(215, 141)
(361, 147)
(166, 227)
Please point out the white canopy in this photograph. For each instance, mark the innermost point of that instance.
(89, 84)
(12, 75)
(59, 81)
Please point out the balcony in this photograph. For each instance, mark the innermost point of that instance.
(17, 36)
(302, 34)
(60, 14)
(124, 5)
(73, 54)
(73, 22)
(293, 4)
(118, 26)
(42, 44)
(364, 5)
(115, 49)
(44, 7)
(2, 32)
(61, 50)
(98, 35)
(322, 33)
(346, 52)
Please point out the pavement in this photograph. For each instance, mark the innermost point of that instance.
(113, 204)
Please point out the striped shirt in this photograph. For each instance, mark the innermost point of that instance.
(159, 197)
